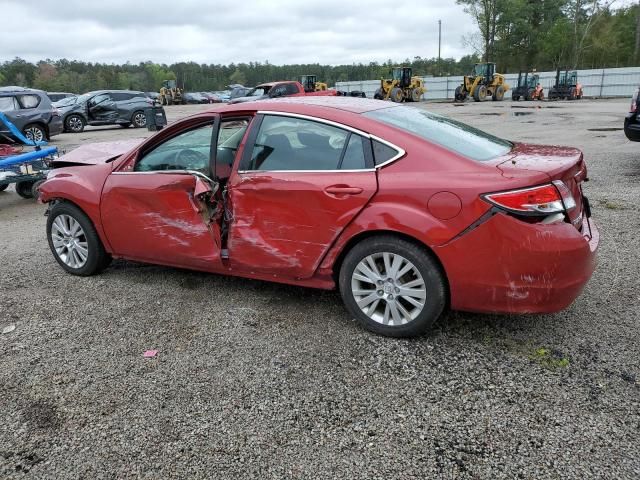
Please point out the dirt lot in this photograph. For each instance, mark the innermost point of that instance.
(257, 380)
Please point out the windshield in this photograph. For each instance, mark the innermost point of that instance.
(448, 133)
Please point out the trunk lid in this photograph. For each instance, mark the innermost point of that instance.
(558, 163)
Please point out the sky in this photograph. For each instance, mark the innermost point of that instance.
(330, 32)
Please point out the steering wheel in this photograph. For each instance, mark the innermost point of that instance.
(189, 159)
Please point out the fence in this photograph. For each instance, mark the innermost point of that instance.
(608, 82)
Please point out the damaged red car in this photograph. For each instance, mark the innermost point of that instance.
(404, 211)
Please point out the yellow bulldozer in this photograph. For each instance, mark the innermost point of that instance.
(310, 84)
(170, 94)
(401, 87)
(482, 83)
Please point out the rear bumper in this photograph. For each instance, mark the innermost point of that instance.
(509, 266)
(632, 127)
(55, 126)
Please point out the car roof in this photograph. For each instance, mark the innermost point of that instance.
(16, 89)
(98, 92)
(318, 103)
(271, 84)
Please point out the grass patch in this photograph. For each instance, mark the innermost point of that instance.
(611, 205)
(549, 359)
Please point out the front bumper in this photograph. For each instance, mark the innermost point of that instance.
(509, 266)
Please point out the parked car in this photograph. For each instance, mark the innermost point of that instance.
(280, 89)
(404, 211)
(226, 95)
(31, 112)
(632, 121)
(105, 107)
(211, 97)
(237, 91)
(194, 98)
(55, 96)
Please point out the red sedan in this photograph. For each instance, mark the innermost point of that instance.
(404, 211)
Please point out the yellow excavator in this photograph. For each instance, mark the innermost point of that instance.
(310, 84)
(401, 87)
(170, 94)
(482, 83)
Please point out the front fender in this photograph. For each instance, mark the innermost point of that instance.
(82, 186)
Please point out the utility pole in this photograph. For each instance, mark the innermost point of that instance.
(439, 45)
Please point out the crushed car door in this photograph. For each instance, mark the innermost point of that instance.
(299, 182)
(162, 208)
(102, 108)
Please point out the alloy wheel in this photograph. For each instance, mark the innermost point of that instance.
(69, 241)
(35, 134)
(388, 288)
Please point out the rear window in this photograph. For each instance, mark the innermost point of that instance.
(451, 134)
(8, 104)
(29, 101)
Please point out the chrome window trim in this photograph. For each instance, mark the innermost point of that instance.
(245, 172)
(167, 172)
(401, 152)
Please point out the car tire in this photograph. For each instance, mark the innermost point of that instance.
(396, 95)
(410, 317)
(3, 187)
(68, 225)
(633, 135)
(480, 93)
(74, 124)
(35, 132)
(138, 119)
(24, 189)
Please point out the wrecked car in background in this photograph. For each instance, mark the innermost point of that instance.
(404, 211)
(280, 89)
(32, 113)
(105, 107)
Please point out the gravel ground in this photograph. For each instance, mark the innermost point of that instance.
(257, 380)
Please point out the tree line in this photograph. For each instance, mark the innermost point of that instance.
(516, 34)
(547, 34)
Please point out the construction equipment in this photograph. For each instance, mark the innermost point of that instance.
(170, 94)
(310, 84)
(528, 87)
(401, 87)
(482, 83)
(567, 86)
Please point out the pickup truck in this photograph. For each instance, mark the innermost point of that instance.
(280, 89)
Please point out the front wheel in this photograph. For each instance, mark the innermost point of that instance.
(396, 95)
(498, 95)
(74, 123)
(392, 287)
(74, 242)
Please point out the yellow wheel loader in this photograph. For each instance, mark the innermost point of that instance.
(482, 83)
(310, 84)
(170, 94)
(401, 87)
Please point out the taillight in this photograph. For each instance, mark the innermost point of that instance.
(539, 201)
(634, 102)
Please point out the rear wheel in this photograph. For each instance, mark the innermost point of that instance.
(35, 132)
(24, 189)
(460, 95)
(138, 119)
(480, 93)
(74, 242)
(378, 95)
(396, 95)
(74, 124)
(392, 287)
(498, 95)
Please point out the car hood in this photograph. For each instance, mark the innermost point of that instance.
(96, 153)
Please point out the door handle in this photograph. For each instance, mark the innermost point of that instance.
(343, 190)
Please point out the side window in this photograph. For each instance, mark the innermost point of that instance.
(8, 104)
(291, 89)
(119, 96)
(354, 154)
(98, 99)
(229, 137)
(188, 150)
(29, 101)
(382, 153)
(285, 143)
(278, 91)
